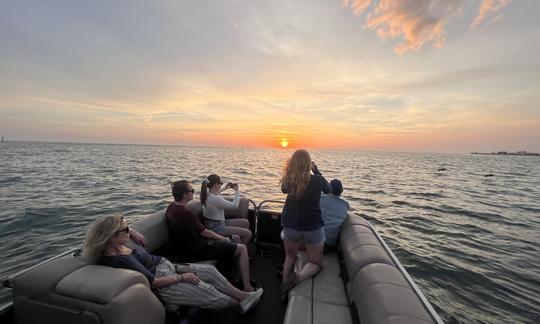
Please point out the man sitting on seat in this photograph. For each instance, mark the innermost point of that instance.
(333, 211)
(190, 236)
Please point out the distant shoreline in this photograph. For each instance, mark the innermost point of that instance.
(521, 153)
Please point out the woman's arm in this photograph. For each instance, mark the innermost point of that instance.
(223, 203)
(137, 237)
(325, 185)
(165, 281)
(175, 278)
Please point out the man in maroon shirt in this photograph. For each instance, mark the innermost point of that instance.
(190, 236)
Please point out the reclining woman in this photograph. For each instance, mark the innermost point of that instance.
(214, 209)
(183, 284)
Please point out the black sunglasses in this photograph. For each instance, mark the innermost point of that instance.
(125, 229)
(192, 191)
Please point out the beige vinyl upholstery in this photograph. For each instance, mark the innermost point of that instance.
(70, 290)
(196, 207)
(377, 289)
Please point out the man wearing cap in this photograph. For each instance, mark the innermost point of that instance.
(334, 211)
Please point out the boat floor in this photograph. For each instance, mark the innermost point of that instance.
(270, 309)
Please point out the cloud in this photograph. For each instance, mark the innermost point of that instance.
(418, 22)
(487, 8)
(358, 6)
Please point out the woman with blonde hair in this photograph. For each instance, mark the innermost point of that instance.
(301, 217)
(187, 284)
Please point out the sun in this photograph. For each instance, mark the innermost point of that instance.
(284, 143)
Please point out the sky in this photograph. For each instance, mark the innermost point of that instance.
(376, 75)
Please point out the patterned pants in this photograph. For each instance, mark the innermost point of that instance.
(209, 293)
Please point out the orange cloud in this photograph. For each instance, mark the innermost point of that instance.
(358, 6)
(488, 7)
(417, 22)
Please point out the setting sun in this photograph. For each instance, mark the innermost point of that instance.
(284, 143)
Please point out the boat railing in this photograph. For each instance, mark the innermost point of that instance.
(7, 281)
(417, 291)
(258, 209)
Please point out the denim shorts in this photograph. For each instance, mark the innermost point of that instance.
(311, 237)
(217, 226)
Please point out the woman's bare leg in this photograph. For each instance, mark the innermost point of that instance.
(314, 265)
(237, 222)
(245, 234)
(291, 252)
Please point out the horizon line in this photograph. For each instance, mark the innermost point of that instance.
(231, 147)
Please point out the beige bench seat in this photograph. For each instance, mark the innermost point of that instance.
(368, 280)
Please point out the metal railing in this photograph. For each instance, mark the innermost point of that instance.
(7, 282)
(417, 291)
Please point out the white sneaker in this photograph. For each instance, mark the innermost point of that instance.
(252, 300)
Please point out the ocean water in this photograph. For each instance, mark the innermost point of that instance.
(470, 242)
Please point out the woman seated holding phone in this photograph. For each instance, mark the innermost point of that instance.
(187, 284)
(214, 209)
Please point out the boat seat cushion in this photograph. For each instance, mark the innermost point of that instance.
(384, 303)
(196, 207)
(32, 284)
(327, 313)
(154, 228)
(99, 284)
(359, 257)
(299, 310)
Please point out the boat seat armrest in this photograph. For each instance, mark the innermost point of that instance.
(99, 284)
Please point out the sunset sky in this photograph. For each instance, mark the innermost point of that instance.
(388, 75)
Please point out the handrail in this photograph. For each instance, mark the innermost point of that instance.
(254, 204)
(257, 212)
(6, 282)
(269, 201)
(411, 282)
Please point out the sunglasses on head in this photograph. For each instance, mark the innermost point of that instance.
(125, 229)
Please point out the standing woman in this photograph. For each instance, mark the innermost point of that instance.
(187, 284)
(301, 217)
(214, 209)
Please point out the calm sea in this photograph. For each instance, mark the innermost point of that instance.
(471, 242)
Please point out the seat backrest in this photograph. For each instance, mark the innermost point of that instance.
(378, 289)
(70, 290)
(154, 228)
(196, 207)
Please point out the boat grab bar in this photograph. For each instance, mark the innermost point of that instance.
(269, 201)
(6, 282)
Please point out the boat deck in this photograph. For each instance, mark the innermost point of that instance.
(270, 309)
